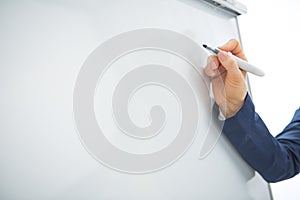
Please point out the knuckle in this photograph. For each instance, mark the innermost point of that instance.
(215, 60)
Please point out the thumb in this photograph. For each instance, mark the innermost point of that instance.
(228, 62)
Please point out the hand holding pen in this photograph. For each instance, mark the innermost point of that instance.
(228, 80)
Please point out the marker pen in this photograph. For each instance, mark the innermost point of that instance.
(241, 63)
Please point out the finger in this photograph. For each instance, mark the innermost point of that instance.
(220, 74)
(212, 66)
(228, 62)
(234, 47)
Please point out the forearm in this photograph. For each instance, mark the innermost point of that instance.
(272, 158)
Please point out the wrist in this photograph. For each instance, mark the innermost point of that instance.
(231, 108)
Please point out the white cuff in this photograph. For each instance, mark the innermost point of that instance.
(221, 115)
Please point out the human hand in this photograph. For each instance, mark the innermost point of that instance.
(228, 81)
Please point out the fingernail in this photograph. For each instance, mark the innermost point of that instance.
(222, 56)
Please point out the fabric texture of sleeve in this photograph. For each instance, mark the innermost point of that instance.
(275, 158)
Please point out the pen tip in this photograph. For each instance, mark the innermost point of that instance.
(204, 45)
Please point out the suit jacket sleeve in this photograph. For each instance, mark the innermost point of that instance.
(275, 158)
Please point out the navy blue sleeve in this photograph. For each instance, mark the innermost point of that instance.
(275, 158)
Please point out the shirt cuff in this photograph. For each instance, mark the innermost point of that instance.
(221, 116)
